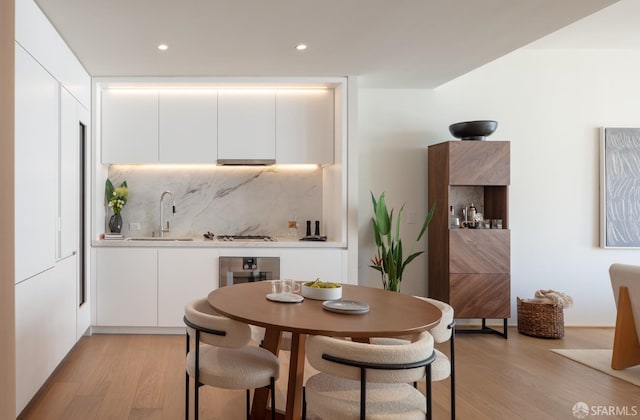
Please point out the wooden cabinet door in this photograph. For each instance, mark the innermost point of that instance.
(304, 126)
(188, 126)
(479, 163)
(246, 125)
(129, 121)
(479, 251)
(480, 295)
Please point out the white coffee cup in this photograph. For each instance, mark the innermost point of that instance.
(284, 286)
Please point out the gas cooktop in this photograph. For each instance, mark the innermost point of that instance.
(246, 238)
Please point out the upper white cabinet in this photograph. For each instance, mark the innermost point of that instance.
(188, 126)
(129, 121)
(166, 126)
(36, 166)
(205, 125)
(304, 126)
(246, 124)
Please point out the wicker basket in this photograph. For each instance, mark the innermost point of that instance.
(544, 320)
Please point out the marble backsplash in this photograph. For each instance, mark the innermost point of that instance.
(222, 200)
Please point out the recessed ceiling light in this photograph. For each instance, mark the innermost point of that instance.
(301, 47)
(163, 47)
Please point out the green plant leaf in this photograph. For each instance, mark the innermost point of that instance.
(427, 220)
(382, 216)
(108, 190)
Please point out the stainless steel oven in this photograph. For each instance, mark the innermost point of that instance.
(234, 270)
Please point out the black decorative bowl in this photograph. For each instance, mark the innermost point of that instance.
(473, 130)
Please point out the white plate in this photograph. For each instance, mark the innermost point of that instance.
(285, 297)
(345, 306)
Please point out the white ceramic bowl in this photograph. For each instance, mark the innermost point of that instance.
(321, 293)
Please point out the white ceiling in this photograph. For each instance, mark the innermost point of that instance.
(389, 43)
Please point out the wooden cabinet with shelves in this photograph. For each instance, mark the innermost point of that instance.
(470, 268)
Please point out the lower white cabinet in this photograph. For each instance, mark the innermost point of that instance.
(306, 265)
(127, 287)
(183, 275)
(149, 287)
(45, 326)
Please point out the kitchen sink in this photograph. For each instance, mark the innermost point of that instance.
(155, 239)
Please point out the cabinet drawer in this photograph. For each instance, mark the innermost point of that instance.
(479, 251)
(480, 295)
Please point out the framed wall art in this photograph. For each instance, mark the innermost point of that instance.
(620, 187)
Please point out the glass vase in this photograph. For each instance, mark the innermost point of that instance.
(115, 223)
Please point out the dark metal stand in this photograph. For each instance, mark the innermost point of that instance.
(485, 330)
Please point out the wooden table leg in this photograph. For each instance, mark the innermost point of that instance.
(296, 377)
(259, 410)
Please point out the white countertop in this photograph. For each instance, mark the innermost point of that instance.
(207, 243)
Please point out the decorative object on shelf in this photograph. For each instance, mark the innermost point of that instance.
(473, 130)
(116, 198)
(389, 259)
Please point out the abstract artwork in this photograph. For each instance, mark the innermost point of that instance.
(620, 188)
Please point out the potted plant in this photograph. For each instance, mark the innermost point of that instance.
(116, 199)
(389, 259)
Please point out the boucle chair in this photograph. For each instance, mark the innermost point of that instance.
(625, 281)
(444, 366)
(361, 380)
(221, 357)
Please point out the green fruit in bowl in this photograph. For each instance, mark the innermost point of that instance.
(319, 284)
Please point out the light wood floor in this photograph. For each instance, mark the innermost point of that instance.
(142, 377)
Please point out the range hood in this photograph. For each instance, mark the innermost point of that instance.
(246, 162)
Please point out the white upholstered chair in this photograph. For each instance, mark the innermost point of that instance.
(372, 381)
(444, 366)
(625, 281)
(221, 357)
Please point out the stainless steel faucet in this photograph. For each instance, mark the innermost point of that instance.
(173, 199)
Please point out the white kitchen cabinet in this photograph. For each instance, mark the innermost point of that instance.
(246, 124)
(68, 200)
(45, 326)
(305, 126)
(127, 287)
(129, 121)
(309, 264)
(188, 126)
(36, 166)
(183, 275)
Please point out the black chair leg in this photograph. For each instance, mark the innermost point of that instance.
(186, 385)
(453, 376)
(186, 397)
(428, 390)
(273, 398)
(304, 403)
(247, 403)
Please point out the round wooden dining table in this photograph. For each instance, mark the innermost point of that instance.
(390, 314)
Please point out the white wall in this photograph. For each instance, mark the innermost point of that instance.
(550, 104)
